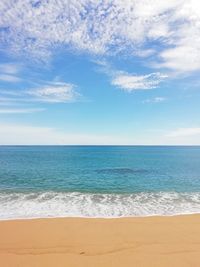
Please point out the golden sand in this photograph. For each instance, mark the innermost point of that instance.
(150, 241)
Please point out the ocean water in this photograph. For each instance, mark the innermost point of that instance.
(98, 181)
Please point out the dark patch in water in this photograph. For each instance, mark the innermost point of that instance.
(122, 171)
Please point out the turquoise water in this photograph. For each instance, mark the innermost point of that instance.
(98, 181)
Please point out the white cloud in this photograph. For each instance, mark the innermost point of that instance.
(9, 68)
(145, 52)
(130, 82)
(105, 27)
(20, 110)
(184, 132)
(181, 58)
(50, 92)
(18, 101)
(9, 71)
(157, 99)
(55, 92)
(9, 78)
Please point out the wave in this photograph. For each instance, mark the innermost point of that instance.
(53, 204)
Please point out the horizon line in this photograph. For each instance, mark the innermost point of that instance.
(173, 145)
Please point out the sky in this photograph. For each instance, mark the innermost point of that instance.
(110, 72)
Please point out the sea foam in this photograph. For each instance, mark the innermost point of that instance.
(74, 204)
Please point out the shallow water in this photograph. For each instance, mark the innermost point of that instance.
(98, 181)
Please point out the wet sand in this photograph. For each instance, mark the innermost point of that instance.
(73, 242)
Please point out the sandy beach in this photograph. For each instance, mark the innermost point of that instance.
(73, 242)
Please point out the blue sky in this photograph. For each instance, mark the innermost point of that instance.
(109, 72)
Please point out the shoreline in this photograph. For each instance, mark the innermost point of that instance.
(58, 205)
(137, 241)
(100, 218)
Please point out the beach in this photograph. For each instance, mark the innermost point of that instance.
(99, 133)
(162, 241)
(83, 206)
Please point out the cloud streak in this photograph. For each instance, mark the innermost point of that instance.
(20, 110)
(8, 72)
(157, 99)
(55, 92)
(15, 101)
(184, 132)
(50, 92)
(10, 68)
(9, 78)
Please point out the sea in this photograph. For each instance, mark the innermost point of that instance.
(98, 181)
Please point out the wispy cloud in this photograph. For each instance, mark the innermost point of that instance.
(55, 92)
(20, 110)
(157, 99)
(25, 101)
(9, 72)
(10, 68)
(105, 27)
(9, 78)
(184, 132)
(49, 92)
(129, 82)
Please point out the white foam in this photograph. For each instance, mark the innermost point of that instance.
(52, 204)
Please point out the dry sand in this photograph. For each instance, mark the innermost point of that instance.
(150, 241)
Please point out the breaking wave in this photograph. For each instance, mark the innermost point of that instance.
(52, 204)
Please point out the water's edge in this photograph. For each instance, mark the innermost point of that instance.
(81, 205)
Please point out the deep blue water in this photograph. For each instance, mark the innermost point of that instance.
(98, 174)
